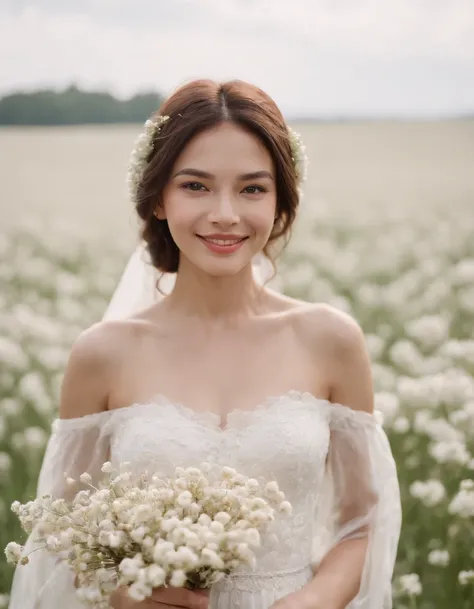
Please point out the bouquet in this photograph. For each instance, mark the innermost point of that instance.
(147, 531)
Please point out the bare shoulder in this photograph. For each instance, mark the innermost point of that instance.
(341, 329)
(345, 347)
(88, 372)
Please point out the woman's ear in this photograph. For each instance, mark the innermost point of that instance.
(159, 213)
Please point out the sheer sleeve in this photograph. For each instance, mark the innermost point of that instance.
(75, 446)
(360, 497)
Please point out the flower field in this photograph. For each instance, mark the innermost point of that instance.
(407, 276)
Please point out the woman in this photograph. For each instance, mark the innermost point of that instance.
(190, 375)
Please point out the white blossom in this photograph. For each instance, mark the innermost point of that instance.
(439, 558)
(466, 577)
(430, 492)
(463, 502)
(410, 584)
(202, 525)
(13, 552)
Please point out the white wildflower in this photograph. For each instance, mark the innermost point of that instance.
(430, 492)
(463, 502)
(140, 591)
(401, 425)
(12, 355)
(11, 407)
(222, 517)
(85, 478)
(184, 499)
(466, 577)
(31, 439)
(211, 558)
(410, 584)
(156, 575)
(439, 558)
(272, 487)
(178, 578)
(286, 507)
(429, 331)
(106, 467)
(388, 404)
(13, 552)
(130, 567)
(450, 452)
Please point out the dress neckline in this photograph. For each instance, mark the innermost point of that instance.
(213, 420)
(223, 424)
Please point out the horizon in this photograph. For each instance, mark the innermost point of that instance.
(460, 115)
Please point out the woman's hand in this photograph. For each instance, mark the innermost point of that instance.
(163, 598)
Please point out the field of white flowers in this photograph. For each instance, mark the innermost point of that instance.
(406, 275)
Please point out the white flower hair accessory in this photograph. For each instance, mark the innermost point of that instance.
(298, 154)
(140, 153)
(144, 145)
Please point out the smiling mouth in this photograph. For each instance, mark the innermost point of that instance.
(222, 242)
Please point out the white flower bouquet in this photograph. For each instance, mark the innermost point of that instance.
(190, 529)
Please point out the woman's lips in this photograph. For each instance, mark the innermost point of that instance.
(222, 246)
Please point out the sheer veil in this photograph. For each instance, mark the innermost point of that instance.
(137, 289)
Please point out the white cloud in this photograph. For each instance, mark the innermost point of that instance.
(312, 56)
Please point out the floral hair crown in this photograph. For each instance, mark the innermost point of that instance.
(144, 146)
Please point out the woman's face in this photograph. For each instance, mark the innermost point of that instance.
(220, 200)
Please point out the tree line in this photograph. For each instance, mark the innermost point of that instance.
(75, 107)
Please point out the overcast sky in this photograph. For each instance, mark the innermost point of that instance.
(315, 57)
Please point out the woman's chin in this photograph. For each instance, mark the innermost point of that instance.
(221, 267)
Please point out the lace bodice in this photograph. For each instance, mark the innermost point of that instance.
(333, 463)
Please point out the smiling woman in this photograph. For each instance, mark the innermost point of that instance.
(275, 389)
(237, 137)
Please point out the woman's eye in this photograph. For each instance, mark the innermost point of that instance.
(194, 186)
(253, 190)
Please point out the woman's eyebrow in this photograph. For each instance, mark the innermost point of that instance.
(198, 173)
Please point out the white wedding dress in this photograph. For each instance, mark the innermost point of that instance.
(333, 463)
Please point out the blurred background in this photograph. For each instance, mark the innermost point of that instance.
(383, 96)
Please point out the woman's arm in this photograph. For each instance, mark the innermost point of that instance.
(338, 576)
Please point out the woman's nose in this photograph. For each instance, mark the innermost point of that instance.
(224, 211)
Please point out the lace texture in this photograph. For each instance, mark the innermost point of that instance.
(333, 463)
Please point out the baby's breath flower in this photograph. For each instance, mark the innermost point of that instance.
(466, 577)
(439, 558)
(272, 487)
(13, 552)
(178, 578)
(141, 152)
(228, 472)
(156, 575)
(184, 499)
(107, 467)
(151, 530)
(298, 155)
(222, 517)
(212, 559)
(410, 584)
(85, 478)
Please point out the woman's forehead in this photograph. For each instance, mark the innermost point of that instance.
(223, 146)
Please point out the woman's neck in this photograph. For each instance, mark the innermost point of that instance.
(218, 298)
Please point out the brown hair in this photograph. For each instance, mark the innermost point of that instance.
(193, 108)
